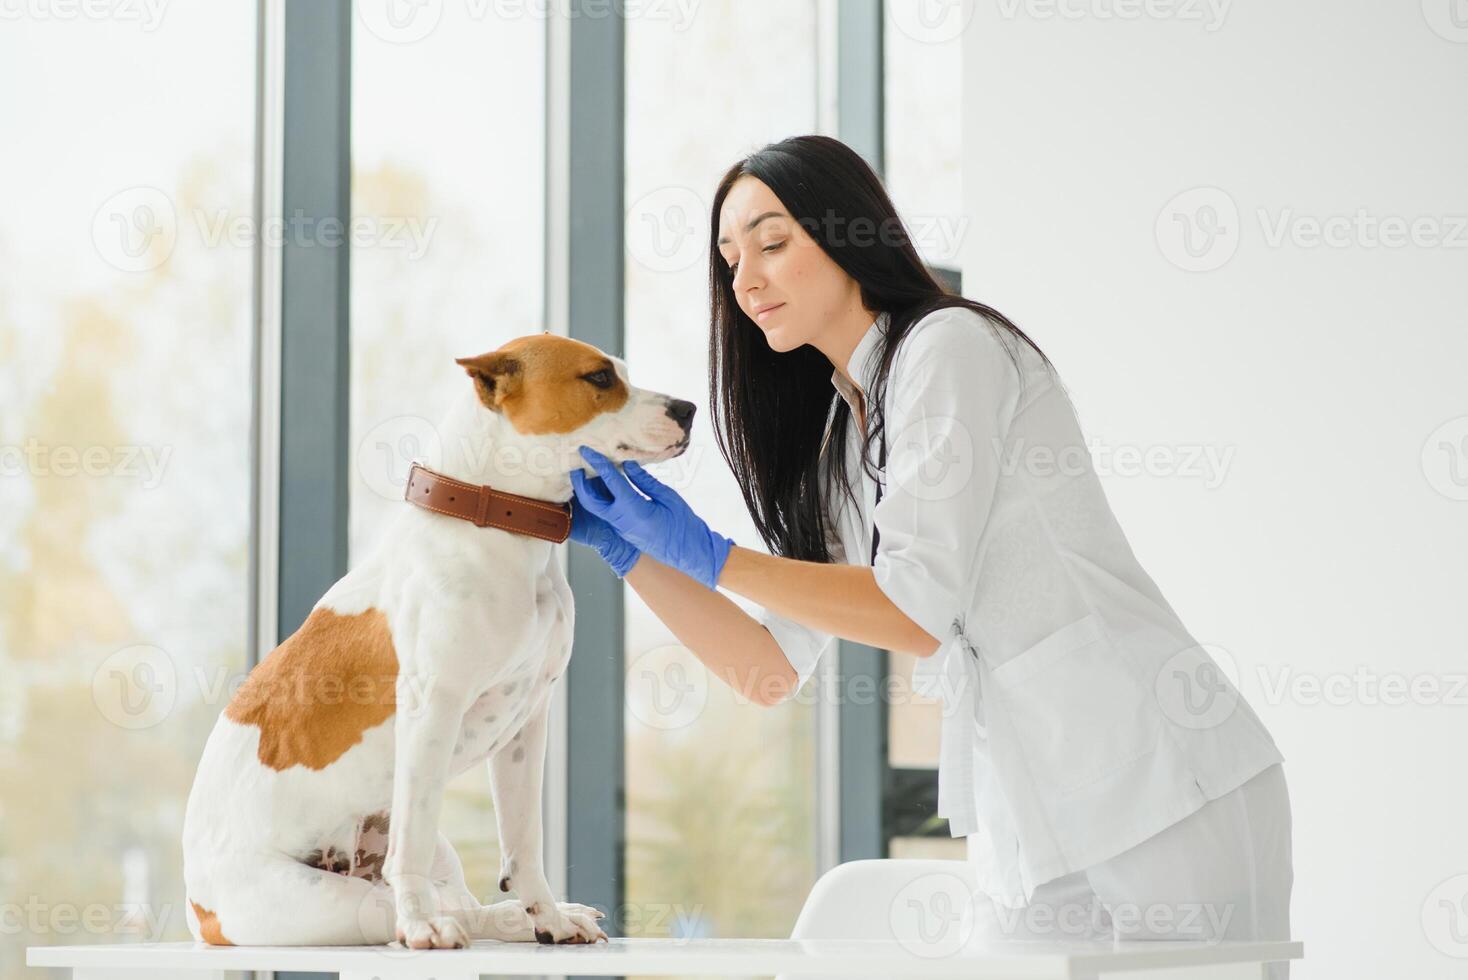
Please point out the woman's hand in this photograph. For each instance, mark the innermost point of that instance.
(660, 524)
(590, 530)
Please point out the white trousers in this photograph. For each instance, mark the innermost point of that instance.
(1224, 871)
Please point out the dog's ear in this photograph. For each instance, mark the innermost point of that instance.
(496, 376)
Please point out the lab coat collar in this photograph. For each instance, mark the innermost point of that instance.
(864, 362)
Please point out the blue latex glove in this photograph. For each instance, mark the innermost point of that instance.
(660, 524)
(594, 532)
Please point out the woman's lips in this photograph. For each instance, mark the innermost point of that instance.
(760, 316)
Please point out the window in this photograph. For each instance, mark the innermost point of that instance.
(721, 794)
(126, 257)
(447, 188)
(922, 87)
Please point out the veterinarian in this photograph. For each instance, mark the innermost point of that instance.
(940, 501)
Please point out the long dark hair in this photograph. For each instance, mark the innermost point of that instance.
(769, 409)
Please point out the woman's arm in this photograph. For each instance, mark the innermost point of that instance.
(839, 599)
(683, 562)
(842, 600)
(731, 643)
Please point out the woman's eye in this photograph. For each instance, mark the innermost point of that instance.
(734, 268)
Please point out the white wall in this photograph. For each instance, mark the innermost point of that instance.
(1331, 534)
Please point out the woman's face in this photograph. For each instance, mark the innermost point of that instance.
(783, 280)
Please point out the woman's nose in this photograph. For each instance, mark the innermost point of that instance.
(744, 277)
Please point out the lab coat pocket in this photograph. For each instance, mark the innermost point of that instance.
(1078, 711)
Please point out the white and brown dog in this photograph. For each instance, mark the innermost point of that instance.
(313, 818)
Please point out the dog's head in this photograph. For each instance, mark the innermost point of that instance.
(548, 385)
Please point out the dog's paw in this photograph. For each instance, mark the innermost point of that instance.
(568, 907)
(432, 932)
(563, 925)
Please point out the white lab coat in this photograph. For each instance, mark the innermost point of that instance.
(1079, 716)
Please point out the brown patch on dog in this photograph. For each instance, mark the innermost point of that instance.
(209, 926)
(371, 847)
(316, 693)
(329, 860)
(539, 383)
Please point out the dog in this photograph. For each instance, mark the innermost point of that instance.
(313, 816)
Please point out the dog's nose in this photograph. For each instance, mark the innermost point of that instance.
(682, 412)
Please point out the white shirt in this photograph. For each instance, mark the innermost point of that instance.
(1079, 715)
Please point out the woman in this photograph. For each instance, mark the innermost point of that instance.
(1099, 765)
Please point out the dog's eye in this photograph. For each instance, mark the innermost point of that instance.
(602, 378)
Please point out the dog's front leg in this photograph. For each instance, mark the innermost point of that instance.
(516, 772)
(425, 725)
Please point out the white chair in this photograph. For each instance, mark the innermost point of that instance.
(935, 910)
(923, 904)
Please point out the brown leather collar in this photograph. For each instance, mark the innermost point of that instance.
(487, 507)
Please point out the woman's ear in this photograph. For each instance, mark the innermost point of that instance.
(496, 377)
